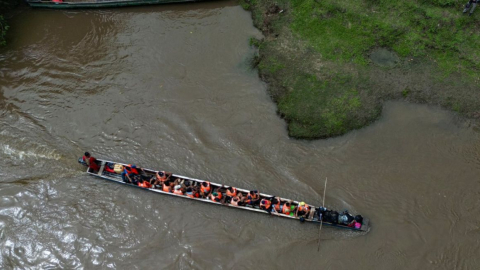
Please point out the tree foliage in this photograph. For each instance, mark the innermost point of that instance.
(3, 30)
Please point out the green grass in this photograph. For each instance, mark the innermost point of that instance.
(3, 30)
(345, 31)
(315, 57)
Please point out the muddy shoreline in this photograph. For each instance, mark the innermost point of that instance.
(323, 93)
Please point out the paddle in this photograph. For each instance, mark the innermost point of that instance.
(321, 220)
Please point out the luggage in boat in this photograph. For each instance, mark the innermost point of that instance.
(331, 216)
(118, 168)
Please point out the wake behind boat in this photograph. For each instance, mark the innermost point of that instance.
(218, 194)
(69, 4)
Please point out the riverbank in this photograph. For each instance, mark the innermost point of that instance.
(5, 7)
(330, 65)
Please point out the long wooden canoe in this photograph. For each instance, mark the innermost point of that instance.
(117, 178)
(69, 4)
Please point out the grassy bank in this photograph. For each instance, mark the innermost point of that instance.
(5, 7)
(317, 56)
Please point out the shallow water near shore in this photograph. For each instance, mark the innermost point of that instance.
(168, 87)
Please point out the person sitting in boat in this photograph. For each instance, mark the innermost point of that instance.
(266, 204)
(357, 222)
(253, 198)
(276, 204)
(230, 193)
(287, 208)
(238, 200)
(177, 189)
(302, 210)
(144, 183)
(166, 187)
(205, 189)
(217, 196)
(129, 171)
(91, 162)
(192, 192)
(320, 213)
(235, 201)
(161, 177)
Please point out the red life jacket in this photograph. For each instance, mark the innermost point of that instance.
(131, 170)
(91, 163)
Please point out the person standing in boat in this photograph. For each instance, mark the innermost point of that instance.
(91, 162)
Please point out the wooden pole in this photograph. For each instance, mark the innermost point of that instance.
(321, 220)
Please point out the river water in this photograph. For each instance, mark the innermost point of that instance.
(169, 87)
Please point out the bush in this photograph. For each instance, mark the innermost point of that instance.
(3, 30)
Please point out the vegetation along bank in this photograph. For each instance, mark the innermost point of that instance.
(5, 7)
(330, 64)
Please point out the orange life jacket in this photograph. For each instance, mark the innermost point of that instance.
(166, 188)
(277, 206)
(232, 194)
(286, 209)
(162, 178)
(265, 204)
(219, 196)
(205, 189)
(304, 208)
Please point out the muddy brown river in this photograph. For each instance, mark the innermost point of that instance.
(169, 87)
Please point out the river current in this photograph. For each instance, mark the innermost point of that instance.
(169, 87)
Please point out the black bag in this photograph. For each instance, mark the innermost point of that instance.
(359, 219)
(331, 216)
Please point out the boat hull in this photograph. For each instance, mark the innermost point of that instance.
(117, 179)
(102, 4)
